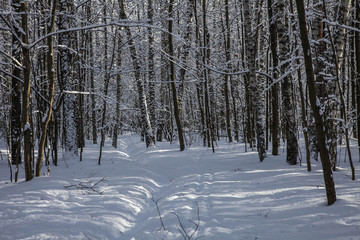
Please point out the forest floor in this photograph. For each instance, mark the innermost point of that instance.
(226, 195)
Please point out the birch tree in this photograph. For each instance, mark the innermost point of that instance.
(255, 85)
(66, 79)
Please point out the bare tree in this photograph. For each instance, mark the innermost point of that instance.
(145, 118)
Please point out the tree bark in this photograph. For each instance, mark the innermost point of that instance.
(255, 85)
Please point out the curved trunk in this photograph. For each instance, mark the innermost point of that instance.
(320, 133)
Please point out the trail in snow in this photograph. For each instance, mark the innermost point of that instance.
(237, 197)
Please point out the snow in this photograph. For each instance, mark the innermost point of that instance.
(229, 194)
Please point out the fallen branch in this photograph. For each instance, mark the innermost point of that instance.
(88, 186)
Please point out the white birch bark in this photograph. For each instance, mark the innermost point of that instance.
(256, 87)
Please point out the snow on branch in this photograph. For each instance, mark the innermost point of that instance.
(341, 25)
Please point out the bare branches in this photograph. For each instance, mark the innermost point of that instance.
(189, 234)
(158, 210)
(89, 186)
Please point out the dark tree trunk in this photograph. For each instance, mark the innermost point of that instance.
(357, 57)
(28, 160)
(228, 59)
(275, 87)
(288, 102)
(117, 119)
(16, 96)
(51, 76)
(173, 79)
(320, 133)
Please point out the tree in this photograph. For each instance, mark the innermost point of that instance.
(288, 102)
(66, 79)
(275, 87)
(173, 79)
(320, 133)
(254, 83)
(151, 74)
(118, 94)
(357, 57)
(228, 60)
(51, 76)
(145, 119)
(15, 126)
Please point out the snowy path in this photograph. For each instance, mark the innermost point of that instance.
(237, 197)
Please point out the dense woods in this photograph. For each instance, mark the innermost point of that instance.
(266, 73)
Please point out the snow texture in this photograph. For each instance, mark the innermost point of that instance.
(237, 196)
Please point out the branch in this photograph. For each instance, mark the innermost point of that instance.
(88, 186)
(158, 210)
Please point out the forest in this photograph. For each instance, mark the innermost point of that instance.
(194, 72)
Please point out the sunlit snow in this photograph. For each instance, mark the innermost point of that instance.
(229, 193)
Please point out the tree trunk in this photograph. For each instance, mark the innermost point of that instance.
(92, 83)
(16, 94)
(199, 86)
(228, 59)
(173, 79)
(67, 80)
(151, 74)
(357, 57)
(320, 133)
(288, 102)
(107, 67)
(254, 84)
(302, 98)
(28, 160)
(118, 95)
(275, 87)
(51, 75)
(145, 118)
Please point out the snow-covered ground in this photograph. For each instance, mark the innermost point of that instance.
(228, 195)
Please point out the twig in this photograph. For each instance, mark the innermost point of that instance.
(158, 210)
(88, 186)
(186, 234)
